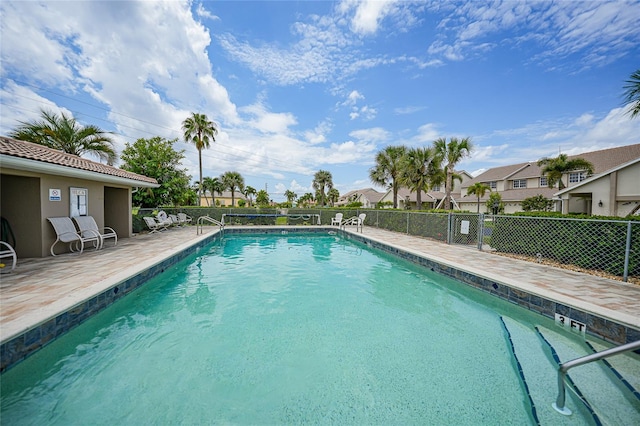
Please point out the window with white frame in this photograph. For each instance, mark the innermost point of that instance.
(576, 177)
(435, 188)
(543, 181)
(493, 184)
(519, 183)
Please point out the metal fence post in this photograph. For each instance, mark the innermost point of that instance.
(449, 227)
(407, 223)
(627, 253)
(480, 230)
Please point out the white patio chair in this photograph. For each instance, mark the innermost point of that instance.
(154, 225)
(358, 221)
(88, 226)
(184, 218)
(337, 220)
(164, 219)
(66, 233)
(175, 220)
(7, 251)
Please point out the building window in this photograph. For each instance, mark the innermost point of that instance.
(519, 183)
(577, 177)
(544, 182)
(493, 184)
(436, 188)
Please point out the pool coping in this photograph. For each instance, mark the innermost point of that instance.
(22, 343)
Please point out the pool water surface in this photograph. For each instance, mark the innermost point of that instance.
(278, 330)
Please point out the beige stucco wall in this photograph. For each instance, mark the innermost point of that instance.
(629, 181)
(25, 198)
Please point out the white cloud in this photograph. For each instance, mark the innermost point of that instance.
(374, 134)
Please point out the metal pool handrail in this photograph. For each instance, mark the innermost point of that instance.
(564, 367)
(209, 219)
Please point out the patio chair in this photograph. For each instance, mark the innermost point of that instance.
(358, 221)
(7, 251)
(175, 220)
(337, 220)
(164, 219)
(184, 218)
(66, 233)
(88, 226)
(154, 225)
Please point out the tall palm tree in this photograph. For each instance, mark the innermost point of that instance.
(478, 189)
(333, 195)
(322, 180)
(632, 94)
(212, 185)
(249, 192)
(65, 134)
(452, 153)
(201, 131)
(291, 196)
(232, 181)
(554, 168)
(388, 168)
(420, 166)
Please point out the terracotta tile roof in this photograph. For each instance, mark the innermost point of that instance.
(32, 151)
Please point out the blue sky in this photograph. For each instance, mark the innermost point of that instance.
(297, 87)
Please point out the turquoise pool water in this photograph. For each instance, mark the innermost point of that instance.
(280, 330)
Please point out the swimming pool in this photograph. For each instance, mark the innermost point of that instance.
(282, 329)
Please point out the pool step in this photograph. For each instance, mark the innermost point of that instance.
(625, 366)
(539, 375)
(610, 398)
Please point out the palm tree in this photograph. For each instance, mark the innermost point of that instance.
(65, 134)
(321, 180)
(554, 168)
(632, 94)
(306, 199)
(212, 185)
(452, 153)
(249, 192)
(232, 181)
(201, 131)
(419, 168)
(291, 196)
(388, 168)
(333, 195)
(478, 189)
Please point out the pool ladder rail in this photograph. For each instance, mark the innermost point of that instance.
(565, 366)
(208, 219)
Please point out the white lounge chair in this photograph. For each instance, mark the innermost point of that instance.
(66, 233)
(358, 221)
(154, 225)
(164, 219)
(175, 220)
(7, 251)
(184, 218)
(88, 226)
(337, 220)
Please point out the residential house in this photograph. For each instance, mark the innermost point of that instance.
(612, 190)
(222, 200)
(369, 197)
(37, 182)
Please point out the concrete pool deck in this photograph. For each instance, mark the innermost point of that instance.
(40, 289)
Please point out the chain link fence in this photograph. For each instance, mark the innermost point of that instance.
(610, 246)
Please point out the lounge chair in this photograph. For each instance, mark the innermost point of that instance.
(164, 219)
(7, 251)
(337, 220)
(184, 218)
(358, 221)
(66, 233)
(88, 226)
(175, 220)
(154, 225)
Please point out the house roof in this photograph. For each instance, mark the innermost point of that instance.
(602, 161)
(29, 156)
(371, 194)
